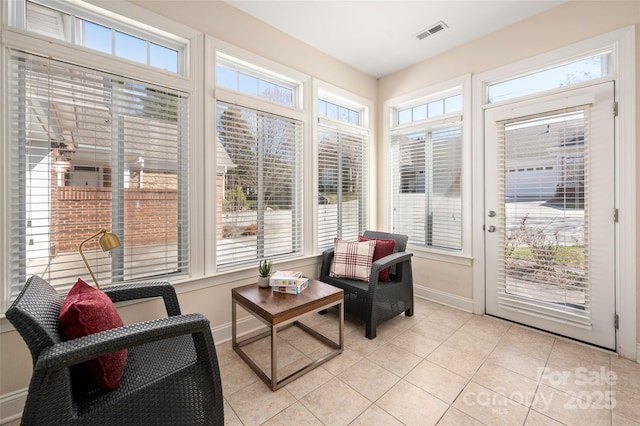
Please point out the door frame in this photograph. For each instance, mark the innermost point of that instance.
(622, 44)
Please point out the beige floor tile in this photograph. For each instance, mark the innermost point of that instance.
(371, 380)
(309, 382)
(627, 374)
(389, 330)
(468, 343)
(485, 328)
(436, 380)
(225, 353)
(573, 355)
(462, 363)
(432, 330)
(579, 381)
(303, 341)
(415, 343)
(236, 375)
(455, 417)
(295, 414)
(536, 419)
(394, 359)
(489, 407)
(294, 367)
(257, 403)
(343, 361)
(411, 405)
(425, 307)
(623, 421)
(358, 342)
(517, 362)
(260, 352)
(375, 416)
(368, 376)
(449, 317)
(335, 403)
(527, 342)
(627, 405)
(230, 417)
(506, 383)
(568, 409)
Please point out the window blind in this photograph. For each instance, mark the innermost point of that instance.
(542, 161)
(426, 163)
(342, 183)
(260, 189)
(92, 150)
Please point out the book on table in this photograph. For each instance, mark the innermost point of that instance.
(285, 279)
(302, 283)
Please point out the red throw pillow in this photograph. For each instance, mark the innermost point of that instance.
(383, 248)
(86, 310)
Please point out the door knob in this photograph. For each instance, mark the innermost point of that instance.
(492, 213)
(491, 228)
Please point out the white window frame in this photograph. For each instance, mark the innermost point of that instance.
(215, 49)
(622, 43)
(341, 97)
(147, 27)
(460, 85)
(24, 40)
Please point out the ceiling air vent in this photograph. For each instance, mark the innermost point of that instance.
(431, 30)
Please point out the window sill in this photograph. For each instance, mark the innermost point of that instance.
(455, 258)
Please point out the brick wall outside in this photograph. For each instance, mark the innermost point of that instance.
(83, 211)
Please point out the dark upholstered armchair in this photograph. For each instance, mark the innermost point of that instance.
(171, 375)
(374, 301)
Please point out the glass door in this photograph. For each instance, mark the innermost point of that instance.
(549, 229)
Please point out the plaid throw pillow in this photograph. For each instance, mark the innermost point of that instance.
(352, 260)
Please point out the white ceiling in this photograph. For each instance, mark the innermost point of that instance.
(377, 37)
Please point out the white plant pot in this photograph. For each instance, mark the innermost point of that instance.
(263, 282)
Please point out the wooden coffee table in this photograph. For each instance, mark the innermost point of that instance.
(279, 311)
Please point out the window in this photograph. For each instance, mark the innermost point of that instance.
(569, 74)
(430, 109)
(92, 150)
(260, 189)
(236, 75)
(343, 183)
(81, 27)
(259, 171)
(426, 171)
(337, 112)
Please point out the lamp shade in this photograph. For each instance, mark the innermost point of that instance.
(109, 241)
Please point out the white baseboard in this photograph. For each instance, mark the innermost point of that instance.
(448, 299)
(222, 333)
(12, 404)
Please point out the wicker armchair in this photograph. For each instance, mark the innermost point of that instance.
(171, 376)
(373, 301)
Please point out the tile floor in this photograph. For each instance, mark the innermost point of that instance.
(441, 366)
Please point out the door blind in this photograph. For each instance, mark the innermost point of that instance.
(342, 183)
(260, 190)
(426, 184)
(92, 150)
(543, 162)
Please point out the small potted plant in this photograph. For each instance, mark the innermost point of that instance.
(264, 269)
